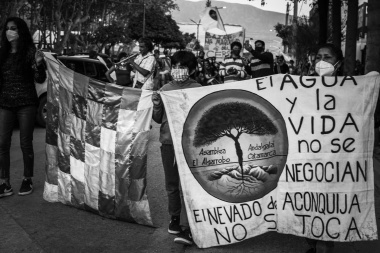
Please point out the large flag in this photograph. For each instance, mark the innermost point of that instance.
(281, 153)
(210, 18)
(96, 145)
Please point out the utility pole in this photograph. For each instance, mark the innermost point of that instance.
(286, 23)
(295, 19)
(143, 32)
(295, 11)
(199, 22)
(287, 13)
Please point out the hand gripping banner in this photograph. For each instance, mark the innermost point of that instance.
(96, 145)
(281, 153)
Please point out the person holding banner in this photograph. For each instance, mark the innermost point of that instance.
(144, 65)
(20, 66)
(232, 67)
(328, 62)
(184, 64)
(261, 61)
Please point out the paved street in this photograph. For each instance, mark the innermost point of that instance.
(30, 224)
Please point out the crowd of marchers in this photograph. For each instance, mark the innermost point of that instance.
(21, 65)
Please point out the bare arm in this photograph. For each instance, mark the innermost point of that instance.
(158, 108)
(108, 74)
(265, 57)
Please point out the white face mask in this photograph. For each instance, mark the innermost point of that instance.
(180, 74)
(325, 68)
(11, 35)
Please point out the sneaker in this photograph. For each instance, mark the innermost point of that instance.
(5, 190)
(26, 187)
(174, 227)
(184, 238)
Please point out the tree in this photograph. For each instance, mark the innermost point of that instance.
(323, 10)
(373, 37)
(10, 8)
(110, 34)
(232, 120)
(336, 23)
(160, 28)
(68, 15)
(302, 42)
(351, 37)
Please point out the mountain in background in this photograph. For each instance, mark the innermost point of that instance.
(256, 22)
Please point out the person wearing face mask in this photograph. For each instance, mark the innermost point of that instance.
(184, 64)
(123, 72)
(21, 65)
(327, 63)
(232, 67)
(281, 67)
(261, 61)
(328, 60)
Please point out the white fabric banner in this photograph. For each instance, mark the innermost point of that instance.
(280, 153)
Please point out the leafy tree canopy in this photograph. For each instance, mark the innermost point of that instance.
(159, 27)
(302, 36)
(222, 119)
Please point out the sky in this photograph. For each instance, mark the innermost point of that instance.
(271, 5)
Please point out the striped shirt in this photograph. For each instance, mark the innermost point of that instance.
(227, 67)
(261, 64)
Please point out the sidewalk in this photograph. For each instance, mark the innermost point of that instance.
(30, 224)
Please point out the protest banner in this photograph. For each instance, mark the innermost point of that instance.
(218, 45)
(291, 154)
(96, 145)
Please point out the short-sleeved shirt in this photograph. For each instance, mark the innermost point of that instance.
(147, 62)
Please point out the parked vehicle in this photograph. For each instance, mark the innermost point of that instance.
(93, 68)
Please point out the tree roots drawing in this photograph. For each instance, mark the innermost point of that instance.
(246, 181)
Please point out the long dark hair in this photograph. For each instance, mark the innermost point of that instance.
(338, 54)
(335, 50)
(24, 43)
(185, 58)
(148, 43)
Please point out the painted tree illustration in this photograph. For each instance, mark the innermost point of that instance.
(232, 120)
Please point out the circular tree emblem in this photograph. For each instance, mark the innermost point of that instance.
(235, 143)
